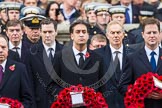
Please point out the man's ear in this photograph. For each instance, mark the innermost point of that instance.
(72, 37)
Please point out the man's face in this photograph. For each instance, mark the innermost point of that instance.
(115, 34)
(3, 50)
(4, 15)
(80, 35)
(125, 2)
(151, 35)
(13, 14)
(95, 44)
(33, 34)
(71, 2)
(48, 34)
(14, 33)
(118, 17)
(30, 2)
(91, 16)
(103, 17)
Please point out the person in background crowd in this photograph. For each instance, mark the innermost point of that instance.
(91, 18)
(14, 31)
(68, 10)
(154, 3)
(145, 12)
(147, 59)
(97, 41)
(30, 10)
(32, 29)
(3, 18)
(53, 11)
(103, 17)
(13, 10)
(132, 11)
(30, 3)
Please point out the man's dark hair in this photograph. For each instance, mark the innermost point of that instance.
(48, 21)
(78, 22)
(14, 23)
(149, 21)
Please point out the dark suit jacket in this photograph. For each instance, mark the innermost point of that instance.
(37, 64)
(136, 65)
(67, 69)
(25, 47)
(15, 84)
(135, 13)
(13, 56)
(110, 89)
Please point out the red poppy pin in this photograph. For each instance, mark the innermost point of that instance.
(87, 55)
(161, 57)
(12, 67)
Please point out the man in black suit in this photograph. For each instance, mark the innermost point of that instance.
(76, 64)
(110, 53)
(14, 31)
(147, 59)
(14, 80)
(38, 61)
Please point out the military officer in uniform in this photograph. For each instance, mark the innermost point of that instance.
(32, 29)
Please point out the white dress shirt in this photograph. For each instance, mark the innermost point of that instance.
(3, 65)
(47, 48)
(148, 52)
(11, 46)
(120, 55)
(78, 56)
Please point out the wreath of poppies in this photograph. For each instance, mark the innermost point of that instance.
(13, 103)
(90, 97)
(143, 86)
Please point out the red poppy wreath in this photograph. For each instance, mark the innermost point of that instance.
(90, 97)
(11, 103)
(143, 86)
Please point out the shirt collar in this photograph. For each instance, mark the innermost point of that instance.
(11, 46)
(76, 51)
(113, 49)
(3, 65)
(148, 51)
(52, 46)
(67, 15)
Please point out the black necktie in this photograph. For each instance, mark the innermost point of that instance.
(81, 60)
(152, 61)
(117, 66)
(116, 60)
(50, 54)
(16, 50)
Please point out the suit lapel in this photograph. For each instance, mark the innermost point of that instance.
(159, 64)
(7, 73)
(87, 59)
(143, 57)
